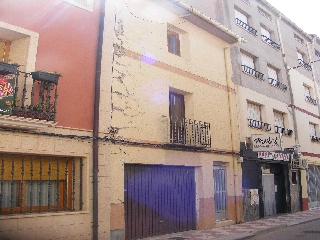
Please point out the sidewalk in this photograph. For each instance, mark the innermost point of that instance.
(245, 230)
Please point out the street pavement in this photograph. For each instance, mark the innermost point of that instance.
(245, 230)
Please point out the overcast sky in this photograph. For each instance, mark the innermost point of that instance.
(305, 13)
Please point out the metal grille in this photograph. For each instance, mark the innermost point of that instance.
(39, 184)
(220, 192)
(314, 185)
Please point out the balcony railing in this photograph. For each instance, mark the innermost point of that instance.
(284, 131)
(259, 125)
(278, 84)
(252, 72)
(189, 133)
(305, 65)
(246, 27)
(311, 100)
(315, 139)
(23, 96)
(270, 42)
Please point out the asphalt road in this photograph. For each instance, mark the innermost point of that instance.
(305, 231)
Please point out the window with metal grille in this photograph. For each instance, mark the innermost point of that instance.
(32, 184)
(254, 111)
(241, 16)
(173, 42)
(272, 73)
(85, 4)
(317, 53)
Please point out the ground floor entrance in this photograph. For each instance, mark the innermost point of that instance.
(158, 200)
(313, 176)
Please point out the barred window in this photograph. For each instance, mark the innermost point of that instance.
(39, 184)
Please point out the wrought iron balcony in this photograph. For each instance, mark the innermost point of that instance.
(259, 125)
(315, 139)
(189, 133)
(278, 84)
(311, 100)
(27, 95)
(252, 72)
(284, 131)
(305, 65)
(270, 42)
(246, 27)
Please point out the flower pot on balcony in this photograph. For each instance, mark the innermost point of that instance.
(6, 68)
(46, 76)
(6, 95)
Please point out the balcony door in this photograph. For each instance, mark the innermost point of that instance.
(177, 118)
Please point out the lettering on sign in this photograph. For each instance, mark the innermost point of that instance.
(266, 142)
(274, 156)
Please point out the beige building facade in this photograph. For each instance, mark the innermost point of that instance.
(174, 161)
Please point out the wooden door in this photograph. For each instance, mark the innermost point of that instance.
(177, 118)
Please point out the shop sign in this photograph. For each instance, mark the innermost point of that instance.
(266, 142)
(274, 156)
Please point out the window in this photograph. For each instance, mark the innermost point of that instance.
(241, 16)
(265, 14)
(247, 60)
(317, 53)
(254, 111)
(173, 42)
(272, 73)
(278, 119)
(307, 92)
(85, 4)
(312, 129)
(302, 62)
(300, 56)
(265, 32)
(298, 39)
(308, 95)
(39, 184)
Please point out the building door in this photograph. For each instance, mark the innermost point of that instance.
(158, 200)
(177, 118)
(220, 192)
(268, 189)
(313, 174)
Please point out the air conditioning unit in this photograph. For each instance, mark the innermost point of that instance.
(299, 163)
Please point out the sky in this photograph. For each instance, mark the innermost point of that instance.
(305, 14)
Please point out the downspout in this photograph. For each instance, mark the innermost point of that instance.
(228, 67)
(295, 127)
(96, 115)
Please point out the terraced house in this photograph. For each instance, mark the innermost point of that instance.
(175, 155)
(47, 95)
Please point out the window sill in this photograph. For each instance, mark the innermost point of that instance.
(24, 123)
(45, 214)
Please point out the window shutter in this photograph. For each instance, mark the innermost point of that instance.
(254, 112)
(278, 119)
(241, 16)
(272, 73)
(247, 60)
(265, 32)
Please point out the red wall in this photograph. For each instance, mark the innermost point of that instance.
(67, 44)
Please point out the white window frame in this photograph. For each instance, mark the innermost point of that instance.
(88, 5)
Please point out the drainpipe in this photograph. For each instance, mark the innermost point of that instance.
(234, 141)
(295, 127)
(95, 143)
